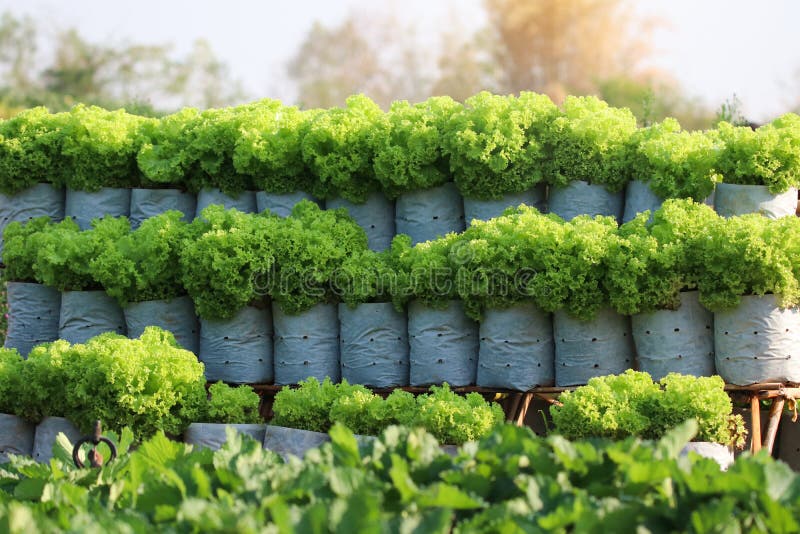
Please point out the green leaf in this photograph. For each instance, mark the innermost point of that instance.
(675, 440)
(447, 496)
(30, 489)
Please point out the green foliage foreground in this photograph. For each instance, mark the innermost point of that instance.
(511, 481)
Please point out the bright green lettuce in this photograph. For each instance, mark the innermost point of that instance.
(500, 144)
(589, 142)
(337, 147)
(676, 163)
(10, 379)
(147, 384)
(227, 259)
(408, 140)
(450, 417)
(165, 156)
(232, 405)
(631, 404)
(364, 277)
(31, 145)
(268, 148)
(19, 250)
(144, 264)
(310, 245)
(100, 148)
(769, 155)
(64, 253)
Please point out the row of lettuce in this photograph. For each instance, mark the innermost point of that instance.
(227, 260)
(510, 481)
(489, 146)
(150, 384)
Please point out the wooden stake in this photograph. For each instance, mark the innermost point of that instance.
(755, 421)
(512, 412)
(775, 412)
(523, 411)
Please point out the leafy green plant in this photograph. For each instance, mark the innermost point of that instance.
(701, 398)
(499, 144)
(165, 156)
(308, 406)
(675, 163)
(337, 148)
(213, 138)
(100, 148)
(408, 145)
(631, 404)
(31, 150)
(19, 251)
(268, 148)
(503, 261)
(147, 384)
(37, 397)
(64, 253)
(229, 253)
(767, 156)
(740, 259)
(310, 245)
(456, 419)
(450, 417)
(644, 274)
(10, 379)
(423, 271)
(144, 264)
(589, 142)
(232, 405)
(364, 277)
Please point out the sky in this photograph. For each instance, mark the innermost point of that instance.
(713, 48)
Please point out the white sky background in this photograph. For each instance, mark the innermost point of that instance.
(714, 48)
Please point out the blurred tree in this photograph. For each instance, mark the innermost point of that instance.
(465, 64)
(332, 64)
(561, 47)
(143, 78)
(370, 53)
(652, 98)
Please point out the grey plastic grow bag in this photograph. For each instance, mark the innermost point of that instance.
(373, 345)
(41, 200)
(46, 433)
(638, 199)
(146, 203)
(375, 216)
(489, 209)
(281, 204)
(33, 312)
(83, 206)
(516, 348)
(176, 315)
(758, 342)
(289, 442)
(443, 345)
(85, 314)
(584, 349)
(16, 436)
(679, 341)
(735, 199)
(306, 344)
(430, 213)
(582, 198)
(212, 435)
(238, 350)
(718, 452)
(244, 201)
